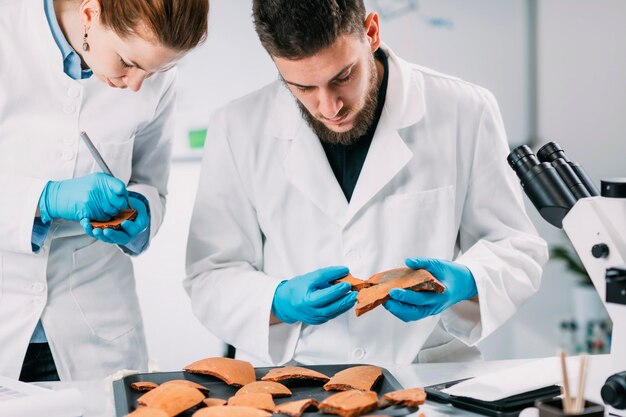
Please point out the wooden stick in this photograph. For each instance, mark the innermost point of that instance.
(582, 376)
(567, 399)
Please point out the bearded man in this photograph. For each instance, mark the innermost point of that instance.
(355, 161)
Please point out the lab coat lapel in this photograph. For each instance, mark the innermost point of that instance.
(388, 153)
(307, 168)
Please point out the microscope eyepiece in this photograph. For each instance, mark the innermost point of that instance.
(550, 152)
(522, 158)
(574, 175)
(542, 184)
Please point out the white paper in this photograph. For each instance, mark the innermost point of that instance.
(516, 380)
(33, 401)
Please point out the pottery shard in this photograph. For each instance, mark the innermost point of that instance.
(147, 412)
(260, 400)
(231, 412)
(276, 389)
(232, 371)
(294, 372)
(143, 385)
(349, 403)
(411, 397)
(116, 221)
(356, 283)
(173, 399)
(214, 402)
(358, 377)
(296, 408)
(405, 278)
(192, 384)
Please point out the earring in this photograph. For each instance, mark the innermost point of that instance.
(85, 44)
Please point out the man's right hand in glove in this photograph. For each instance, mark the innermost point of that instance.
(311, 299)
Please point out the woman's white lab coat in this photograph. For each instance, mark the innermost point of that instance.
(435, 183)
(82, 289)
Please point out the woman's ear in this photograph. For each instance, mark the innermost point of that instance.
(372, 30)
(89, 12)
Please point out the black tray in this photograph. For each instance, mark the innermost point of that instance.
(126, 397)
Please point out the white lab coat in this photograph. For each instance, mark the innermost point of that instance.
(435, 183)
(82, 289)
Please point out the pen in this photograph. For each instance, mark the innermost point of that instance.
(98, 158)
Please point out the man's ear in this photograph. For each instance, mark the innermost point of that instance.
(372, 30)
(89, 12)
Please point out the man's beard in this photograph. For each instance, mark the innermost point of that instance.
(362, 121)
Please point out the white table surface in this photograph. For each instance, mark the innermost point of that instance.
(98, 399)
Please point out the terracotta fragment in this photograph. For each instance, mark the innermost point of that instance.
(276, 389)
(143, 385)
(294, 372)
(405, 278)
(231, 412)
(147, 412)
(173, 398)
(349, 403)
(260, 400)
(412, 397)
(192, 384)
(296, 408)
(357, 377)
(232, 371)
(116, 221)
(214, 402)
(356, 283)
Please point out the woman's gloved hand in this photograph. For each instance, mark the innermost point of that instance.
(311, 299)
(96, 196)
(410, 305)
(130, 228)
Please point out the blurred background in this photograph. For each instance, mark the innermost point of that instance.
(558, 70)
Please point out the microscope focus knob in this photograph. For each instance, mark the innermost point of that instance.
(601, 250)
(614, 391)
(613, 187)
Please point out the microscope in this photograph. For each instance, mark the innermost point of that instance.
(595, 222)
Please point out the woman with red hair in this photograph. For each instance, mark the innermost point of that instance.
(68, 306)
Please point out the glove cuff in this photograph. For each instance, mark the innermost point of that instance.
(473, 292)
(44, 209)
(275, 310)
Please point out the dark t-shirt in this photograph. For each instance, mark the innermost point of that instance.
(347, 160)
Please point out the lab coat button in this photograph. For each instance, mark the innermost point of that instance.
(68, 154)
(38, 287)
(69, 109)
(358, 353)
(72, 92)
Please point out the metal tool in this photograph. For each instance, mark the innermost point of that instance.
(98, 158)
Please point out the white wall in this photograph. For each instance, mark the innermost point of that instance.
(582, 106)
(175, 337)
(582, 99)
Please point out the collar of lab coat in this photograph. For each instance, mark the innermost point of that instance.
(306, 165)
(50, 56)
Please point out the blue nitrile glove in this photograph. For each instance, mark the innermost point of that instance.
(130, 229)
(311, 299)
(410, 305)
(96, 196)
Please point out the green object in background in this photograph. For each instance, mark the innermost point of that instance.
(196, 138)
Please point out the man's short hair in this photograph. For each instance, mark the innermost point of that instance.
(295, 29)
